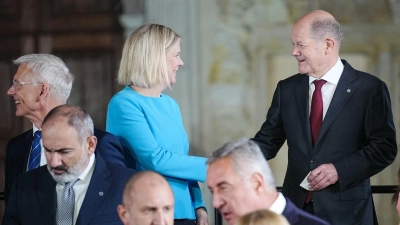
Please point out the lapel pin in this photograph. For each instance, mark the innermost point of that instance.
(348, 90)
(101, 193)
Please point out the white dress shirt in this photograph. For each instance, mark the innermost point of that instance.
(332, 77)
(278, 205)
(80, 187)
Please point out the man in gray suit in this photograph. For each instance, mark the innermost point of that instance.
(338, 125)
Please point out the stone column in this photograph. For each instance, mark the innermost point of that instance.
(184, 18)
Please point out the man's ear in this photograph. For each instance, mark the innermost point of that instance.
(329, 45)
(92, 143)
(44, 91)
(257, 182)
(123, 214)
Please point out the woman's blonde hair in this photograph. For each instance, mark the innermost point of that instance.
(143, 63)
(262, 217)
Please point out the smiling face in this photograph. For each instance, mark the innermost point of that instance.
(309, 53)
(232, 196)
(66, 156)
(174, 61)
(26, 96)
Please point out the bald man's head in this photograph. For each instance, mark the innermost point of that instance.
(321, 24)
(316, 39)
(147, 199)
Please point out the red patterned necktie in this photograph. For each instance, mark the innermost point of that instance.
(316, 116)
(316, 110)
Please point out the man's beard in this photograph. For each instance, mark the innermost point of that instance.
(70, 174)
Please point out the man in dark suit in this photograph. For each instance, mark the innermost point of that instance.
(241, 182)
(338, 136)
(41, 83)
(76, 186)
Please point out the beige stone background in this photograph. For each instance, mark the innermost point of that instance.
(235, 52)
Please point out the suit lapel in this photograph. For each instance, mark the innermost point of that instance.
(27, 149)
(301, 92)
(47, 197)
(98, 188)
(344, 90)
(290, 212)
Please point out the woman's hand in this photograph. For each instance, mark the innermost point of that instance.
(201, 216)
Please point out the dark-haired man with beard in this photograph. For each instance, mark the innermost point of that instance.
(75, 187)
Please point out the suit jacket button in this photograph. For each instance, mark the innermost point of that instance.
(313, 161)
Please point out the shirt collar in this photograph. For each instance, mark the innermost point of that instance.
(87, 173)
(279, 204)
(333, 75)
(34, 129)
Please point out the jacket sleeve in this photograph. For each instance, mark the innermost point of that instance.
(11, 211)
(380, 147)
(272, 135)
(6, 178)
(196, 195)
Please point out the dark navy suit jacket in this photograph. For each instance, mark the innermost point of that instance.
(296, 216)
(357, 136)
(18, 148)
(33, 197)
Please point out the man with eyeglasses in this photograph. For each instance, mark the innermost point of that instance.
(43, 82)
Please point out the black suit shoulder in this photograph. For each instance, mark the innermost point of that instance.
(119, 172)
(19, 146)
(109, 147)
(294, 78)
(21, 136)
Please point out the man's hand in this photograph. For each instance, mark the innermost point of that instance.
(201, 216)
(322, 176)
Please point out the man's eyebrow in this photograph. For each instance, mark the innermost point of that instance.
(222, 183)
(56, 150)
(219, 184)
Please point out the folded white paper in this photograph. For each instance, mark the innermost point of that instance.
(304, 184)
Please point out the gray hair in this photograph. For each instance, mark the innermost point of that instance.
(77, 118)
(51, 70)
(320, 28)
(246, 158)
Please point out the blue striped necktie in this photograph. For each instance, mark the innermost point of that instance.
(34, 156)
